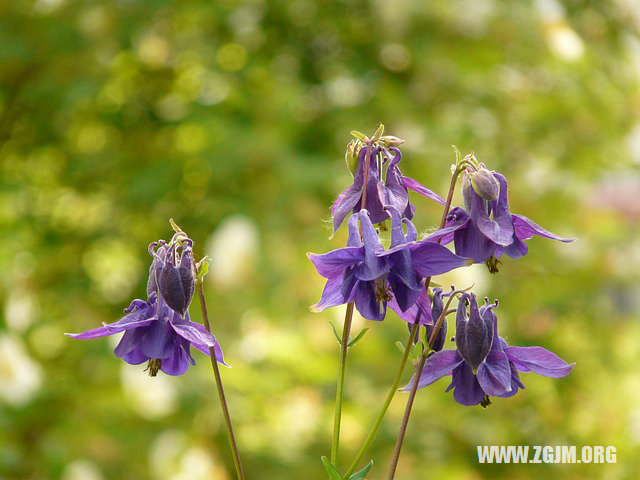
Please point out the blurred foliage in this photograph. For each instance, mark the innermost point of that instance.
(232, 117)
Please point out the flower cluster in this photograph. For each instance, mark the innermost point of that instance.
(374, 277)
(158, 330)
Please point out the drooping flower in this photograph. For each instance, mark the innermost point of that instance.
(367, 274)
(392, 191)
(483, 365)
(157, 334)
(487, 229)
(159, 329)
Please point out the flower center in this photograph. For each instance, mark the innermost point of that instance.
(383, 293)
(492, 264)
(153, 366)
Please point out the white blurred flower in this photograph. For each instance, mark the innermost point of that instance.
(20, 376)
(345, 91)
(82, 470)
(150, 397)
(172, 456)
(19, 310)
(233, 248)
(562, 40)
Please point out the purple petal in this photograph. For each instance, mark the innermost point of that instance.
(431, 258)
(421, 189)
(437, 366)
(456, 220)
(516, 250)
(538, 360)
(409, 315)
(194, 333)
(525, 229)
(332, 295)
(344, 204)
(516, 384)
(158, 340)
(498, 229)
(467, 390)
(216, 350)
(396, 194)
(135, 357)
(131, 321)
(494, 374)
(367, 303)
(334, 263)
(129, 341)
(374, 265)
(176, 364)
(470, 242)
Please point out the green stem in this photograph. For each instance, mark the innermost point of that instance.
(342, 368)
(390, 395)
(431, 339)
(223, 400)
(346, 332)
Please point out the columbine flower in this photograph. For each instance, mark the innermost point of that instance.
(363, 272)
(487, 229)
(392, 192)
(159, 330)
(483, 365)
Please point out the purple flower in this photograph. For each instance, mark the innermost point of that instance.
(159, 330)
(390, 192)
(157, 334)
(363, 272)
(483, 365)
(487, 229)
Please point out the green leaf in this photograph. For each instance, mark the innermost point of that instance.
(203, 267)
(333, 472)
(358, 337)
(335, 332)
(400, 346)
(359, 475)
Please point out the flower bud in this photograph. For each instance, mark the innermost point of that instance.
(437, 307)
(176, 281)
(484, 183)
(391, 141)
(474, 334)
(351, 157)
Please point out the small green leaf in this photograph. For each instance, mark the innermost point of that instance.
(400, 346)
(203, 267)
(333, 472)
(358, 337)
(335, 332)
(359, 475)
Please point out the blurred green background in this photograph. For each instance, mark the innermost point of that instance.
(232, 117)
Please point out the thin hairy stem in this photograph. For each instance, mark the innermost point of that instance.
(223, 401)
(436, 328)
(346, 332)
(387, 402)
(342, 368)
